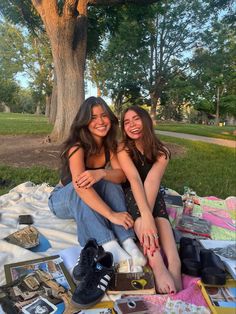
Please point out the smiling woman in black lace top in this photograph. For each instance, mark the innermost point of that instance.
(144, 158)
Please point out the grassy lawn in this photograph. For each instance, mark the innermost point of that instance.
(224, 132)
(37, 175)
(206, 168)
(18, 123)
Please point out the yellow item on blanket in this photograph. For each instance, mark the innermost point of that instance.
(220, 299)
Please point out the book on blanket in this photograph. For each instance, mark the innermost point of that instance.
(133, 283)
(220, 299)
(42, 282)
(226, 250)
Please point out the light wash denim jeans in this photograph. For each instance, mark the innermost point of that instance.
(65, 203)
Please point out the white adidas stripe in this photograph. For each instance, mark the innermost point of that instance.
(104, 282)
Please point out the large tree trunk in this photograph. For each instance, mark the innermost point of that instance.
(68, 37)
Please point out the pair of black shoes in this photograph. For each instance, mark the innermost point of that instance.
(199, 262)
(94, 271)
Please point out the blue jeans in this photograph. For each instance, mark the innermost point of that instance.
(65, 203)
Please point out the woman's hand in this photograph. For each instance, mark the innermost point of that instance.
(87, 178)
(122, 218)
(149, 236)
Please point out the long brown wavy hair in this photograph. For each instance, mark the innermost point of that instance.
(80, 135)
(152, 146)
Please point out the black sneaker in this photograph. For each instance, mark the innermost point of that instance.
(88, 255)
(95, 283)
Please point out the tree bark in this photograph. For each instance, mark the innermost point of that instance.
(47, 105)
(53, 104)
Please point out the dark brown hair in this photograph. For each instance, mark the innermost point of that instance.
(152, 146)
(80, 135)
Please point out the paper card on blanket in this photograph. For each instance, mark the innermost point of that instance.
(226, 250)
(221, 299)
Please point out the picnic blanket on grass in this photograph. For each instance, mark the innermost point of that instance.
(28, 198)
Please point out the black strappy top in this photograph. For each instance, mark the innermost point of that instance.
(66, 176)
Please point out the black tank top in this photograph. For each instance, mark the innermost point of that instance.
(66, 176)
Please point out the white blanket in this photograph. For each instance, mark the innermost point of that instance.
(28, 198)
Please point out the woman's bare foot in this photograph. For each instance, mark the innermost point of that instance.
(164, 282)
(175, 272)
(163, 279)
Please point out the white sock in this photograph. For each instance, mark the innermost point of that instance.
(137, 256)
(119, 254)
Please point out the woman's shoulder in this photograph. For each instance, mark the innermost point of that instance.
(73, 149)
(121, 146)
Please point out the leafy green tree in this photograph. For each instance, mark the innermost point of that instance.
(119, 70)
(214, 70)
(66, 24)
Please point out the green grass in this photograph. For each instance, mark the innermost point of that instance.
(17, 123)
(37, 175)
(206, 168)
(224, 132)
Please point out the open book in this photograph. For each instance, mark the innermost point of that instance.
(226, 250)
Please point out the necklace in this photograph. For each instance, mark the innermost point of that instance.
(141, 158)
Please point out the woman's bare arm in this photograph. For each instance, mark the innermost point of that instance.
(90, 196)
(113, 174)
(148, 224)
(153, 180)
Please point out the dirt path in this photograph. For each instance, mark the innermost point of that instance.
(27, 151)
(33, 150)
(217, 141)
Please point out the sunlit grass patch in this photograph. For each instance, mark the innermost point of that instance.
(17, 123)
(206, 168)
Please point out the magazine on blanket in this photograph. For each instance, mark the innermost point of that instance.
(39, 283)
(226, 250)
(220, 299)
(133, 283)
(50, 264)
(194, 225)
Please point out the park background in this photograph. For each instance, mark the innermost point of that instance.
(175, 58)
